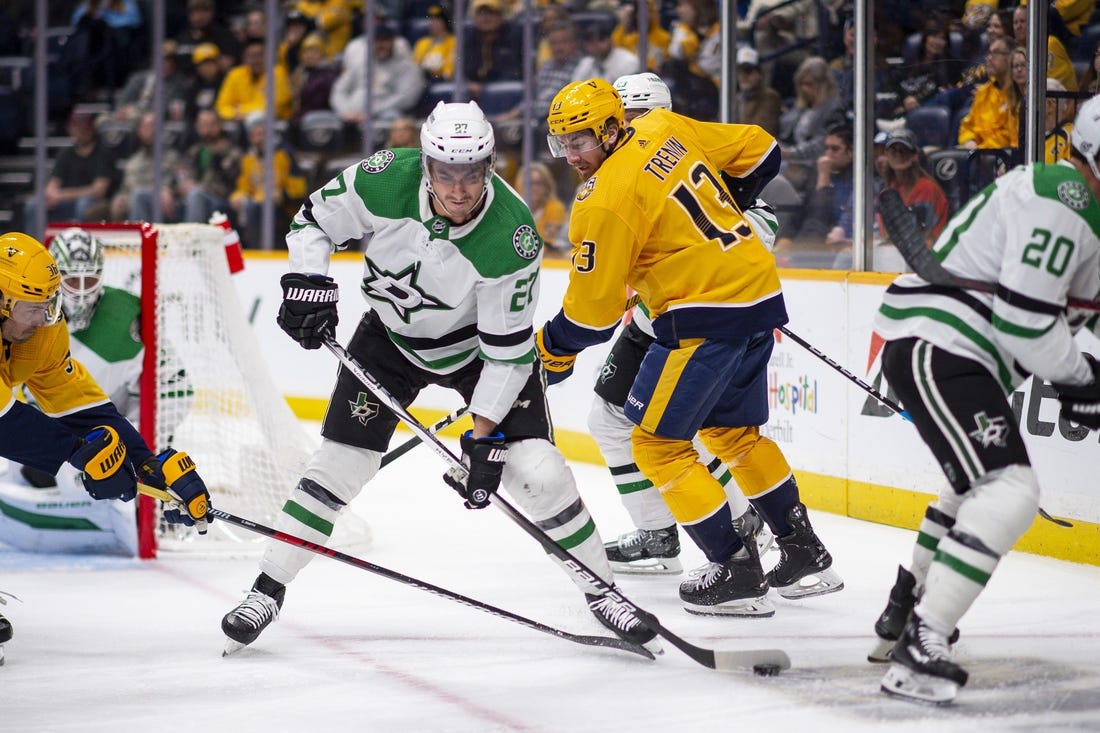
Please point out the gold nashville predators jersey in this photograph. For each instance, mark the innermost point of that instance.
(60, 384)
(657, 217)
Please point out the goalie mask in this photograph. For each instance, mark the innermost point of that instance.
(79, 258)
(29, 283)
(456, 142)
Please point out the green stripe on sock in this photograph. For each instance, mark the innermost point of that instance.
(46, 521)
(634, 486)
(307, 518)
(568, 543)
(927, 541)
(966, 570)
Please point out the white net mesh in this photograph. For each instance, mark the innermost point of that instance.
(216, 399)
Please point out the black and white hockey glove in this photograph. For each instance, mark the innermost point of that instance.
(105, 470)
(1082, 404)
(174, 471)
(484, 461)
(308, 313)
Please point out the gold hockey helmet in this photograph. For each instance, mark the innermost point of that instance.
(584, 105)
(28, 274)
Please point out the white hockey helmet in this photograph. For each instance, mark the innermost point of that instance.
(457, 132)
(79, 258)
(1085, 136)
(643, 91)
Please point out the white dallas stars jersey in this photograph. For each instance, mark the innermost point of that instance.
(1034, 233)
(447, 294)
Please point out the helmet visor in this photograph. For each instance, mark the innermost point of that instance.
(35, 314)
(572, 143)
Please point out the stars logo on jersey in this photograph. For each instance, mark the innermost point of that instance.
(608, 370)
(439, 226)
(587, 189)
(1074, 195)
(363, 409)
(379, 161)
(399, 290)
(990, 431)
(526, 242)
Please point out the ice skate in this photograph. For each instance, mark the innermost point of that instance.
(750, 525)
(254, 614)
(804, 567)
(646, 551)
(736, 587)
(618, 615)
(891, 623)
(5, 635)
(921, 668)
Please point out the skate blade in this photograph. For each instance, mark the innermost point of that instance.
(880, 654)
(232, 647)
(649, 566)
(748, 607)
(817, 584)
(906, 684)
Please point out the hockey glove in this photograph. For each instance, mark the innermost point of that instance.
(484, 461)
(175, 472)
(106, 471)
(308, 313)
(1082, 404)
(559, 366)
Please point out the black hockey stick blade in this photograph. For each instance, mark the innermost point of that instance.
(705, 657)
(901, 225)
(604, 641)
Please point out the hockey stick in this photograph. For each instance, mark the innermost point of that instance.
(411, 443)
(852, 377)
(903, 231)
(715, 659)
(902, 227)
(604, 641)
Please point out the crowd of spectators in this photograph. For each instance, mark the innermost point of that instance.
(960, 60)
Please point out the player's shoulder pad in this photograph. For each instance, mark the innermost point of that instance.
(1063, 183)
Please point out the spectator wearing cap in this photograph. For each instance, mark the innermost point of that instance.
(398, 81)
(311, 83)
(81, 177)
(602, 58)
(203, 27)
(625, 33)
(492, 46)
(760, 104)
(333, 18)
(296, 27)
(244, 89)
(205, 79)
(435, 52)
(919, 191)
(136, 97)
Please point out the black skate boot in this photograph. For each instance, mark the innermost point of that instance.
(736, 587)
(6, 633)
(891, 623)
(254, 614)
(802, 557)
(648, 551)
(921, 667)
(751, 527)
(618, 615)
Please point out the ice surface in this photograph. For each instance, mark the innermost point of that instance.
(108, 644)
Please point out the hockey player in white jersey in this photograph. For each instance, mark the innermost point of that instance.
(654, 546)
(452, 262)
(953, 355)
(54, 513)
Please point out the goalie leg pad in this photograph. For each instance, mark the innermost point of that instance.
(538, 479)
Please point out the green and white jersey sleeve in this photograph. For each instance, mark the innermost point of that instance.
(447, 294)
(111, 348)
(1034, 232)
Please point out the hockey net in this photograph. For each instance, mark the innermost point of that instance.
(206, 388)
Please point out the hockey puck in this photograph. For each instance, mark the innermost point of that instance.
(765, 670)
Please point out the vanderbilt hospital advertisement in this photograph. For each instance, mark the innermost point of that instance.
(853, 455)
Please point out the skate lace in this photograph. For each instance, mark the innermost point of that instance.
(933, 643)
(705, 576)
(257, 608)
(617, 613)
(633, 539)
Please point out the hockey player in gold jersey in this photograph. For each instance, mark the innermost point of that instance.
(660, 211)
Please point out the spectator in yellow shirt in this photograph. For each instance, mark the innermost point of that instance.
(242, 91)
(248, 197)
(625, 34)
(991, 121)
(435, 52)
